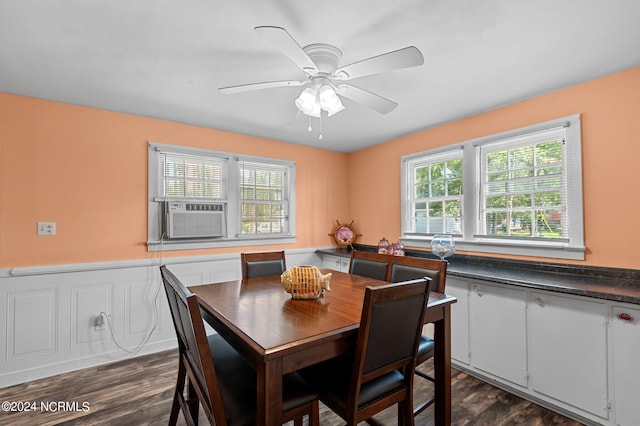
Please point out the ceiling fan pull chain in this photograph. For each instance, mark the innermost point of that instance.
(309, 128)
(320, 136)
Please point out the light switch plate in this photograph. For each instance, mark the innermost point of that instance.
(46, 228)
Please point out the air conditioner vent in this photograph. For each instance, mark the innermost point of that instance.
(194, 220)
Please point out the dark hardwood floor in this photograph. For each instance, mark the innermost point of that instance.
(138, 392)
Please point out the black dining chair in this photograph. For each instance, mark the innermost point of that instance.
(262, 264)
(217, 377)
(380, 372)
(367, 264)
(408, 268)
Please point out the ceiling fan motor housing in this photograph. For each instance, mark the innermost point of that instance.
(325, 56)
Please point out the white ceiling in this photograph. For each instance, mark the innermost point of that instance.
(167, 58)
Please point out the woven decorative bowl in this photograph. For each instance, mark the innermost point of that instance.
(305, 282)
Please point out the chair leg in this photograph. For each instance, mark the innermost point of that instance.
(193, 402)
(405, 414)
(314, 415)
(175, 406)
(424, 405)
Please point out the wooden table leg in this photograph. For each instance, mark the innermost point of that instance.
(442, 367)
(269, 396)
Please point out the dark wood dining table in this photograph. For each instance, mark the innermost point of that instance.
(278, 334)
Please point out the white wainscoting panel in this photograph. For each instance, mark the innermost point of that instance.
(48, 327)
(31, 323)
(87, 301)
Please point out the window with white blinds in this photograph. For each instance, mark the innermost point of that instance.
(264, 203)
(255, 196)
(523, 183)
(518, 192)
(188, 176)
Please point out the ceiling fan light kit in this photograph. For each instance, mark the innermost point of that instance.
(312, 101)
(320, 62)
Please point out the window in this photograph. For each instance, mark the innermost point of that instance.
(187, 176)
(523, 187)
(518, 192)
(263, 205)
(251, 199)
(435, 196)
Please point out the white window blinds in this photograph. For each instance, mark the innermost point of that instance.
(185, 176)
(264, 201)
(523, 186)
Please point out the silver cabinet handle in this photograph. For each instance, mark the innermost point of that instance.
(476, 289)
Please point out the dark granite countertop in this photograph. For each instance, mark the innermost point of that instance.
(615, 284)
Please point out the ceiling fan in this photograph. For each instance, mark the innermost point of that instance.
(325, 81)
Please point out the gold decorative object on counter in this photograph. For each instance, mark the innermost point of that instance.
(344, 234)
(305, 282)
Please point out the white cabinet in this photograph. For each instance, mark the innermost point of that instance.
(498, 331)
(459, 319)
(625, 328)
(337, 263)
(577, 354)
(568, 351)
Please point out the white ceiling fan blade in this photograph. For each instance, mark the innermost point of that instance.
(259, 86)
(402, 58)
(281, 39)
(366, 98)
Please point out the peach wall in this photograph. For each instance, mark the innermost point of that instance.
(86, 169)
(610, 158)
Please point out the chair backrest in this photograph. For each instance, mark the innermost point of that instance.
(195, 353)
(406, 268)
(386, 267)
(262, 264)
(389, 334)
(372, 265)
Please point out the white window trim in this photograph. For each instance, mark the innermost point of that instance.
(233, 238)
(413, 162)
(574, 249)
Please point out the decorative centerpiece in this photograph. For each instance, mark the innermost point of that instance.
(305, 282)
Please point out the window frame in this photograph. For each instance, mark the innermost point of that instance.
(232, 201)
(422, 161)
(471, 239)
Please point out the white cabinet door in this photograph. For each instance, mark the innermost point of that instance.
(568, 356)
(498, 332)
(337, 263)
(459, 319)
(331, 262)
(344, 264)
(626, 368)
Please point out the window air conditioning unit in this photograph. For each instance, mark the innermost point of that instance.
(189, 219)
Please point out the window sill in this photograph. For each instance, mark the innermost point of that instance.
(516, 248)
(196, 244)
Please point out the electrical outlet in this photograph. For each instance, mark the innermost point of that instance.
(46, 228)
(98, 323)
